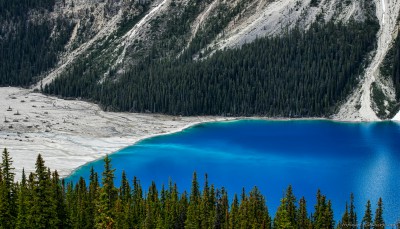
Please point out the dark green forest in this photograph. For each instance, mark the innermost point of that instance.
(391, 65)
(297, 74)
(43, 200)
(27, 48)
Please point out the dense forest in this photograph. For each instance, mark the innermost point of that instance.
(301, 73)
(30, 41)
(391, 65)
(43, 200)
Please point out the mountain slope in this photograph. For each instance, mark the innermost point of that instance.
(360, 105)
(113, 45)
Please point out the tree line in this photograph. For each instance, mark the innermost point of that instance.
(43, 200)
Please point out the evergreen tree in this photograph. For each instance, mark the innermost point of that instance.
(8, 210)
(291, 206)
(193, 215)
(234, 213)
(23, 197)
(43, 212)
(303, 222)
(352, 213)
(345, 222)
(323, 215)
(282, 217)
(125, 190)
(367, 219)
(257, 210)
(59, 199)
(92, 197)
(108, 196)
(379, 223)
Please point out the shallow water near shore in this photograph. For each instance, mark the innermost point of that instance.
(338, 158)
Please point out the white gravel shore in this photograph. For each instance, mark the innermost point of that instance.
(70, 133)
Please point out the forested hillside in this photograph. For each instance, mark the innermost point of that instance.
(297, 74)
(43, 200)
(30, 40)
(391, 66)
(217, 57)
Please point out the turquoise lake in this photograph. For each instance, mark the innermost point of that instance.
(338, 158)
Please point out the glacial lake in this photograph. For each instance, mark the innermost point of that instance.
(338, 158)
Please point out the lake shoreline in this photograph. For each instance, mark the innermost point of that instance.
(71, 133)
(226, 120)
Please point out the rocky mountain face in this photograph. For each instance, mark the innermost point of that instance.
(108, 38)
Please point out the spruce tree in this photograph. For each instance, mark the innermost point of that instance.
(282, 218)
(43, 212)
(302, 216)
(59, 199)
(92, 196)
(108, 195)
(329, 217)
(345, 221)
(291, 206)
(367, 219)
(23, 198)
(257, 210)
(379, 223)
(8, 209)
(193, 215)
(234, 213)
(352, 214)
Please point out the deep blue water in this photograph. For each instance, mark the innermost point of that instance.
(338, 158)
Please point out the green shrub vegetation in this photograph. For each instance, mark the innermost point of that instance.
(43, 200)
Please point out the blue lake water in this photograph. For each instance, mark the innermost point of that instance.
(338, 158)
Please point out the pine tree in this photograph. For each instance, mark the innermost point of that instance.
(59, 199)
(257, 210)
(367, 219)
(282, 218)
(108, 196)
(8, 209)
(234, 213)
(193, 215)
(345, 221)
(206, 206)
(43, 212)
(291, 206)
(22, 203)
(352, 213)
(379, 223)
(303, 222)
(139, 211)
(323, 216)
(125, 190)
(92, 196)
(330, 222)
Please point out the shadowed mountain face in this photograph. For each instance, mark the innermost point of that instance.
(119, 52)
